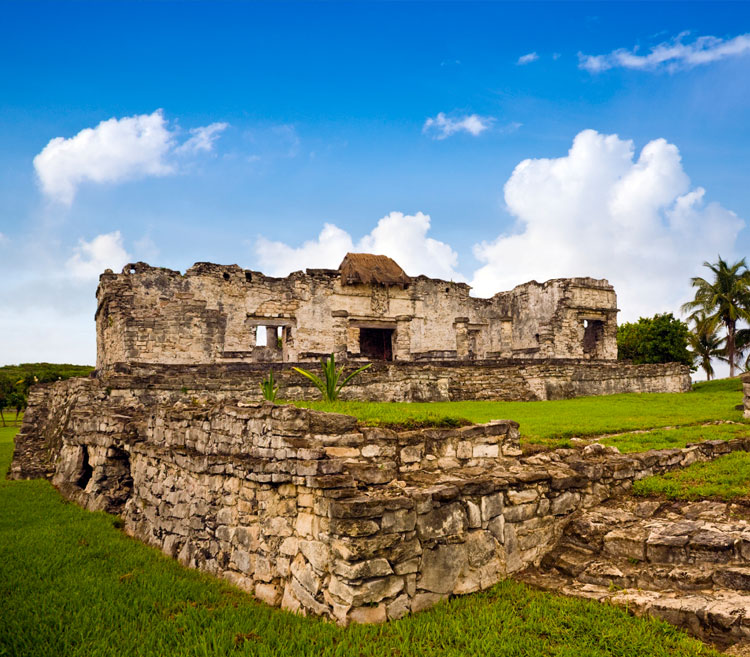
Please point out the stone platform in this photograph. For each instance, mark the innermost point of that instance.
(686, 563)
(312, 511)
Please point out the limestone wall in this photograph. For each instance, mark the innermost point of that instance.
(508, 380)
(312, 512)
(212, 314)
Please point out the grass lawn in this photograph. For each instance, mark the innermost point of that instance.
(725, 478)
(72, 584)
(553, 423)
(677, 437)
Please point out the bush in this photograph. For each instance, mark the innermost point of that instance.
(658, 339)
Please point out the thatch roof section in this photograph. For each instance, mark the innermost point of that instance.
(371, 269)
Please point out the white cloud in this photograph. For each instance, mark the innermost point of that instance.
(203, 138)
(4, 239)
(114, 151)
(600, 212)
(279, 259)
(443, 126)
(527, 58)
(402, 237)
(103, 252)
(670, 55)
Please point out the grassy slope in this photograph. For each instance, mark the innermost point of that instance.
(725, 478)
(72, 584)
(551, 422)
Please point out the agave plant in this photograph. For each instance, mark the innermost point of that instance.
(269, 389)
(329, 386)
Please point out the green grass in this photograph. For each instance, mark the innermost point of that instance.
(553, 423)
(725, 478)
(71, 584)
(675, 438)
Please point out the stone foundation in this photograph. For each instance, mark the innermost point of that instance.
(502, 380)
(311, 511)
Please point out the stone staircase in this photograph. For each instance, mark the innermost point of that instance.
(686, 563)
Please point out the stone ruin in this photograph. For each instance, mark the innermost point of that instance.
(318, 514)
(428, 339)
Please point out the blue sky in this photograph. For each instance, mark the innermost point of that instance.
(404, 125)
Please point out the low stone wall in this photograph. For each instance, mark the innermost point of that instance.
(309, 510)
(505, 380)
(746, 393)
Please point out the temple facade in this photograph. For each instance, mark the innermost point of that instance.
(368, 309)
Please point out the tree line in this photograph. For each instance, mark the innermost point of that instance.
(15, 381)
(713, 329)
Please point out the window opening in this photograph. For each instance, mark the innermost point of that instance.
(593, 330)
(85, 471)
(376, 344)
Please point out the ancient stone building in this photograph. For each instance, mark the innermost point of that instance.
(223, 327)
(367, 309)
(313, 511)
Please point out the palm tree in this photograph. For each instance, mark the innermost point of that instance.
(725, 300)
(704, 342)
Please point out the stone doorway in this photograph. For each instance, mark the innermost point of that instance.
(376, 343)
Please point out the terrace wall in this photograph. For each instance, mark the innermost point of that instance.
(504, 380)
(311, 511)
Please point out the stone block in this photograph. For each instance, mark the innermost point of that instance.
(485, 451)
(446, 520)
(626, 543)
(398, 608)
(523, 495)
(491, 505)
(370, 591)
(317, 553)
(402, 520)
(362, 569)
(441, 567)
(376, 614)
(564, 503)
(268, 593)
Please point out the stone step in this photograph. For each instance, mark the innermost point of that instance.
(721, 616)
(616, 534)
(589, 568)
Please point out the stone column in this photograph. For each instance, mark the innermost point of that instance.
(402, 341)
(340, 324)
(461, 325)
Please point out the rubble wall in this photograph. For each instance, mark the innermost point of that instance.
(527, 380)
(311, 511)
(212, 314)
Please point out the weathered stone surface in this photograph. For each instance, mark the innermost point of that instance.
(444, 521)
(441, 567)
(708, 598)
(254, 492)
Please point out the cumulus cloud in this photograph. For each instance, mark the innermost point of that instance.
(527, 58)
(601, 211)
(402, 237)
(203, 139)
(443, 126)
(114, 151)
(670, 55)
(90, 259)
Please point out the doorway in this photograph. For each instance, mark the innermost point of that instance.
(376, 343)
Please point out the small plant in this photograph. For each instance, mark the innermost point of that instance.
(329, 386)
(269, 389)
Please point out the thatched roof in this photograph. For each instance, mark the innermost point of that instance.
(370, 269)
